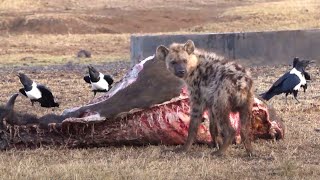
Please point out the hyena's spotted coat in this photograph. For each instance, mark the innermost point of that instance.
(215, 84)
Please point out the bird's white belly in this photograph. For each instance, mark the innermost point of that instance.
(303, 80)
(34, 93)
(297, 87)
(100, 85)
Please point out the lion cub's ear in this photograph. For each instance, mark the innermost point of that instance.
(189, 46)
(162, 52)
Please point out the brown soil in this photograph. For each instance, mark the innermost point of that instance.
(53, 32)
(134, 19)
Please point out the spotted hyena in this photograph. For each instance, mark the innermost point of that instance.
(216, 85)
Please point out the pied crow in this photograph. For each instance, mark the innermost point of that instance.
(36, 92)
(99, 82)
(290, 82)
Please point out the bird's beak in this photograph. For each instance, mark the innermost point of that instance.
(90, 68)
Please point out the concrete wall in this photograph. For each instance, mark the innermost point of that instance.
(258, 48)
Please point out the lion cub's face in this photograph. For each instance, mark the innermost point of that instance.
(178, 57)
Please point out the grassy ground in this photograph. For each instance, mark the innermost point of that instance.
(295, 157)
(265, 16)
(95, 26)
(30, 49)
(54, 31)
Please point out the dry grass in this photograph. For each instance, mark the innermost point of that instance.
(150, 163)
(34, 5)
(59, 49)
(20, 5)
(213, 16)
(296, 157)
(65, 81)
(265, 16)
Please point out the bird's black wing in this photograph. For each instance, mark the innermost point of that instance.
(108, 78)
(87, 79)
(284, 84)
(270, 93)
(289, 83)
(281, 79)
(307, 76)
(47, 99)
(45, 91)
(23, 92)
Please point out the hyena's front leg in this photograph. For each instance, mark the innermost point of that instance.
(195, 120)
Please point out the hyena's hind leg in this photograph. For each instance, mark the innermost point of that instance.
(245, 120)
(195, 120)
(215, 129)
(222, 118)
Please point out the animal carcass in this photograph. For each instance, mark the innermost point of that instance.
(148, 106)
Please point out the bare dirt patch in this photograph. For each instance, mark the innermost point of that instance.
(120, 17)
(83, 17)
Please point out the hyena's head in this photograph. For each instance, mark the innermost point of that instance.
(179, 58)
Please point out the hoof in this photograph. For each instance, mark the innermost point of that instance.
(213, 145)
(250, 154)
(219, 142)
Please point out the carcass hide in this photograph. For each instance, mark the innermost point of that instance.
(148, 106)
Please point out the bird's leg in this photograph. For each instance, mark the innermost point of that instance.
(32, 102)
(295, 94)
(286, 98)
(94, 94)
(305, 88)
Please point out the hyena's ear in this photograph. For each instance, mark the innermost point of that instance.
(189, 46)
(162, 52)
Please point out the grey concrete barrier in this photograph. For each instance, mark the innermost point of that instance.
(257, 48)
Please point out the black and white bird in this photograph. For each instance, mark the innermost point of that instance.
(36, 92)
(290, 82)
(99, 82)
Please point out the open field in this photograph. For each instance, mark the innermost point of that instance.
(53, 31)
(36, 35)
(295, 157)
